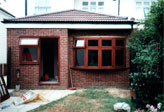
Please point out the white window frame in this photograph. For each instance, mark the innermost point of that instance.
(142, 7)
(46, 6)
(90, 7)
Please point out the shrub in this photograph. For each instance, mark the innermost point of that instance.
(147, 56)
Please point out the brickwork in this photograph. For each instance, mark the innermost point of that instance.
(29, 76)
(89, 78)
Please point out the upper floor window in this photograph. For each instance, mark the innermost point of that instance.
(42, 6)
(142, 8)
(93, 6)
(99, 53)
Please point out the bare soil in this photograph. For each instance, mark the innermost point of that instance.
(117, 92)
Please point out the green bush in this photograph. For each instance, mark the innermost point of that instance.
(147, 55)
(144, 84)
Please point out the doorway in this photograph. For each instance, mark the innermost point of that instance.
(49, 60)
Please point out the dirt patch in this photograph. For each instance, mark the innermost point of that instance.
(117, 92)
(75, 104)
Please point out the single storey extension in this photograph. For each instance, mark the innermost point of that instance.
(49, 50)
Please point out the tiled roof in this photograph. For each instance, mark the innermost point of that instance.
(70, 16)
(6, 12)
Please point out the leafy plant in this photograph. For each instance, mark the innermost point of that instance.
(147, 54)
(144, 84)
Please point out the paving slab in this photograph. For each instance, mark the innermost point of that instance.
(47, 96)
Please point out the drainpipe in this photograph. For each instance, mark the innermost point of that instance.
(25, 7)
(118, 7)
(132, 27)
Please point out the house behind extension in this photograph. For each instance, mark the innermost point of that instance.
(137, 9)
(47, 49)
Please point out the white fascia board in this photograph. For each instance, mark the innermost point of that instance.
(69, 26)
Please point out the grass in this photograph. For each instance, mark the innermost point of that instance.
(88, 100)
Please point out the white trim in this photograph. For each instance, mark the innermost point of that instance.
(69, 26)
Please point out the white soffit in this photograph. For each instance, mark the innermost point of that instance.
(70, 26)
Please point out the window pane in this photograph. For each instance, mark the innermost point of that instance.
(100, 10)
(146, 3)
(85, 3)
(41, 10)
(119, 43)
(106, 42)
(26, 41)
(101, 4)
(93, 3)
(85, 8)
(138, 4)
(146, 11)
(30, 54)
(92, 57)
(119, 57)
(79, 43)
(79, 57)
(106, 58)
(93, 9)
(92, 42)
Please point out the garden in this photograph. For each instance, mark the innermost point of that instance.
(146, 75)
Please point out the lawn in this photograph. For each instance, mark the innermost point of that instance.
(87, 100)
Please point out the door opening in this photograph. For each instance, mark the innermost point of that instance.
(49, 60)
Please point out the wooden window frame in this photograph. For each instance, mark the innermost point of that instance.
(113, 48)
(29, 46)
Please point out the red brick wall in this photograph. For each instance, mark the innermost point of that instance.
(29, 76)
(86, 78)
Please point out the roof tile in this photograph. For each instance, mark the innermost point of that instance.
(75, 16)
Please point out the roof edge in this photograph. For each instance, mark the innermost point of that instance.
(83, 22)
(6, 12)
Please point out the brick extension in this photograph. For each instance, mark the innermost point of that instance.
(29, 78)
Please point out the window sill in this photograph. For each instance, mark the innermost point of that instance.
(29, 63)
(102, 68)
(49, 83)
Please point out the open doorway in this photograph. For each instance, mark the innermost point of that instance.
(49, 60)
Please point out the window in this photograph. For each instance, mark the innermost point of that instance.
(42, 6)
(29, 50)
(146, 11)
(100, 10)
(139, 4)
(100, 3)
(142, 8)
(99, 53)
(92, 57)
(80, 57)
(146, 4)
(93, 3)
(93, 6)
(79, 43)
(85, 3)
(29, 54)
(42, 10)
